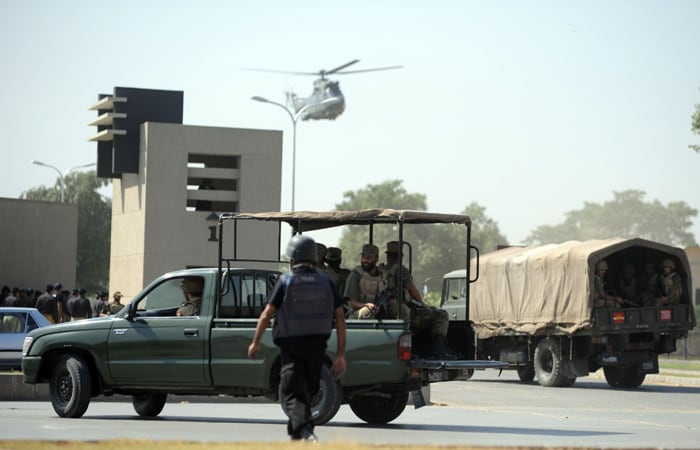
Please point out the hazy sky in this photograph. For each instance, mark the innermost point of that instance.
(529, 108)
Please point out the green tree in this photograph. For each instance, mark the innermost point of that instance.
(436, 249)
(627, 215)
(94, 224)
(695, 125)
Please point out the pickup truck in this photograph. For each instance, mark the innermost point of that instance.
(148, 352)
(534, 308)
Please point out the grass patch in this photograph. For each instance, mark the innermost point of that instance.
(678, 365)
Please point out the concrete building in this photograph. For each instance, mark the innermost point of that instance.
(40, 241)
(162, 216)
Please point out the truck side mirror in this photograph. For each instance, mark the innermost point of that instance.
(131, 311)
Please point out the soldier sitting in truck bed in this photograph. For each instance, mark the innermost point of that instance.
(601, 298)
(671, 286)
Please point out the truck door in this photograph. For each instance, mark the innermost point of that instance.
(244, 296)
(157, 347)
(454, 298)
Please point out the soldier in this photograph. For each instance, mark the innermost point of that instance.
(601, 298)
(192, 287)
(365, 284)
(424, 318)
(116, 304)
(321, 251)
(338, 275)
(304, 304)
(649, 285)
(627, 285)
(670, 283)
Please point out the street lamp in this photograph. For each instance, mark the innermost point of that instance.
(61, 177)
(295, 118)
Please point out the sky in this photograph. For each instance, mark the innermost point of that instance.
(528, 108)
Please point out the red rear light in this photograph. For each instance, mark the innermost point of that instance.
(618, 317)
(665, 315)
(404, 347)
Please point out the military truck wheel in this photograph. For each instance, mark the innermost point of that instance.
(379, 407)
(327, 401)
(548, 364)
(149, 404)
(70, 386)
(624, 376)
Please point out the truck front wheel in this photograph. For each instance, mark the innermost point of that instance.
(149, 404)
(380, 407)
(549, 365)
(69, 386)
(326, 402)
(624, 376)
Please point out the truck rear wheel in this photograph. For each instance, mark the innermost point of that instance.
(327, 401)
(624, 376)
(549, 364)
(379, 407)
(70, 386)
(149, 404)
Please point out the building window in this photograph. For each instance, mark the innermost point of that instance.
(212, 182)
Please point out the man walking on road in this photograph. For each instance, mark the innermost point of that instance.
(304, 304)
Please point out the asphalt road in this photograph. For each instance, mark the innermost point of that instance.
(484, 411)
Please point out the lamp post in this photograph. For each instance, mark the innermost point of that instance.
(61, 177)
(295, 118)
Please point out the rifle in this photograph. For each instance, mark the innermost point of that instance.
(381, 305)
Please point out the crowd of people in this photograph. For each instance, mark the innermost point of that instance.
(62, 305)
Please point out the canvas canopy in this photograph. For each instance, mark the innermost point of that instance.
(536, 290)
(314, 220)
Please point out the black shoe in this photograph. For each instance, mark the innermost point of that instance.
(307, 434)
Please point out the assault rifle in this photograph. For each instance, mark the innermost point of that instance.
(381, 305)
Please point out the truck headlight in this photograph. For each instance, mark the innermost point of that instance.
(25, 346)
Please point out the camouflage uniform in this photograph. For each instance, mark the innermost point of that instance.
(671, 285)
(367, 288)
(193, 288)
(338, 275)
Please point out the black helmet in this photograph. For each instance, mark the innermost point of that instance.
(301, 248)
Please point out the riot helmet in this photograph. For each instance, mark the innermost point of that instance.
(301, 248)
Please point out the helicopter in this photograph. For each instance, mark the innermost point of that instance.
(326, 101)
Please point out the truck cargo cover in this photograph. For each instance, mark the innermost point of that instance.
(538, 289)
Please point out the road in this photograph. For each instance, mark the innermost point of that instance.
(484, 411)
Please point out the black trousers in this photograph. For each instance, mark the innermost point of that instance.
(300, 375)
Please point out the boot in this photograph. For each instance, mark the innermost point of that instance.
(441, 349)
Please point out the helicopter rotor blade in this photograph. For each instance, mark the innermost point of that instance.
(327, 72)
(368, 70)
(279, 71)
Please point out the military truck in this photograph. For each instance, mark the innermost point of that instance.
(147, 352)
(533, 307)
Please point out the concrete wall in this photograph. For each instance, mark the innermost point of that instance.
(40, 241)
(154, 231)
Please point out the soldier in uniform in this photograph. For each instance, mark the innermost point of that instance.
(79, 307)
(424, 318)
(670, 284)
(305, 305)
(321, 251)
(192, 287)
(46, 304)
(601, 298)
(364, 286)
(338, 275)
(649, 285)
(116, 304)
(627, 285)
